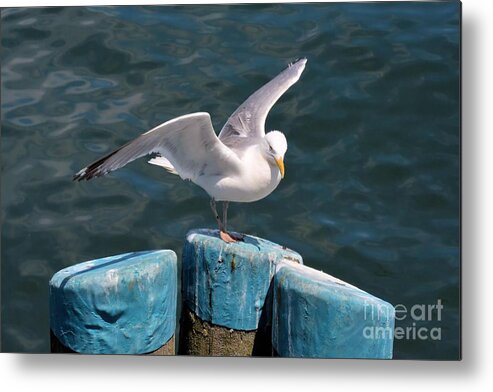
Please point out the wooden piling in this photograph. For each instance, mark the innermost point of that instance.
(241, 299)
(124, 304)
(227, 296)
(318, 316)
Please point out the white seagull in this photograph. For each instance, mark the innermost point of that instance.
(243, 164)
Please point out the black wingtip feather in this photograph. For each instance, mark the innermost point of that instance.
(94, 169)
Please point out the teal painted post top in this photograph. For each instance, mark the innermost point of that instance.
(317, 315)
(227, 284)
(124, 304)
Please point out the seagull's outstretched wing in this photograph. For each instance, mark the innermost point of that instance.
(188, 142)
(249, 119)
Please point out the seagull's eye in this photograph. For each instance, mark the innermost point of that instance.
(271, 149)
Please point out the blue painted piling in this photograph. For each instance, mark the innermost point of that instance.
(225, 289)
(246, 298)
(124, 304)
(317, 315)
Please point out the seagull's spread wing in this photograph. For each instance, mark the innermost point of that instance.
(248, 121)
(188, 142)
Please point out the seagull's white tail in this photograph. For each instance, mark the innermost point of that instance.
(163, 162)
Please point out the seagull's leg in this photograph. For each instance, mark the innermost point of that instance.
(216, 215)
(235, 237)
(225, 214)
(222, 231)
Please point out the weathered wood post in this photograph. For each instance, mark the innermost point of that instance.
(317, 315)
(226, 298)
(124, 304)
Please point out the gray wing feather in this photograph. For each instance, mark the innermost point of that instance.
(188, 142)
(248, 121)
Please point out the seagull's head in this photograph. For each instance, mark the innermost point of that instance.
(275, 147)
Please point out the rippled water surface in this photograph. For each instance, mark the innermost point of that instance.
(371, 193)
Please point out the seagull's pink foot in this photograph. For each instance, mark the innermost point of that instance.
(229, 237)
(226, 237)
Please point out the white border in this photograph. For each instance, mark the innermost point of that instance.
(81, 373)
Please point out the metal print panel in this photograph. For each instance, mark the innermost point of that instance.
(297, 164)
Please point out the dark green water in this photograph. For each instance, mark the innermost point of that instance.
(371, 193)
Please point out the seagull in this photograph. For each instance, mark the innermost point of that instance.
(243, 164)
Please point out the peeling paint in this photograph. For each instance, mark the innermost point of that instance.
(226, 284)
(317, 315)
(124, 304)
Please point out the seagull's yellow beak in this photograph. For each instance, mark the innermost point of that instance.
(280, 165)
